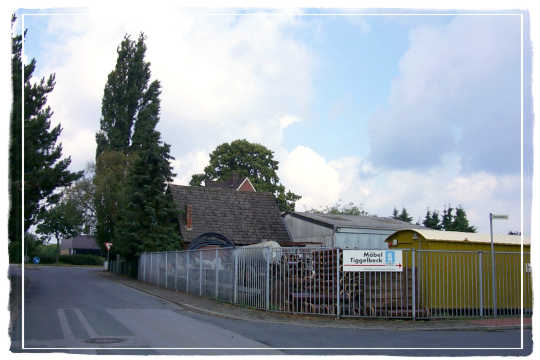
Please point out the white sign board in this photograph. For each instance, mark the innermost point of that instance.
(528, 267)
(372, 260)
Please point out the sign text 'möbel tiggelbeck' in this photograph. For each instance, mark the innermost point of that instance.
(372, 260)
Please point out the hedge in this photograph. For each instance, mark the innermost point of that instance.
(81, 259)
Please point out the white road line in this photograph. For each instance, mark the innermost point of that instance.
(85, 323)
(66, 330)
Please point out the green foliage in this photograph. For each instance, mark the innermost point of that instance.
(44, 170)
(46, 254)
(340, 209)
(62, 221)
(460, 221)
(133, 210)
(82, 193)
(250, 160)
(432, 220)
(403, 216)
(449, 221)
(81, 259)
(126, 97)
(15, 251)
(148, 222)
(110, 183)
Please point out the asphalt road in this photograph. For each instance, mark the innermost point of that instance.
(72, 309)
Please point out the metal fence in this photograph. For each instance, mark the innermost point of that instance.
(432, 284)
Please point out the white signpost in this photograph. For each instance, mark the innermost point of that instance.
(372, 260)
(106, 264)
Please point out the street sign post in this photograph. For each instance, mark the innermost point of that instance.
(108, 246)
(493, 291)
(372, 260)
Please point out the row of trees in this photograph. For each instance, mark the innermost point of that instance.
(449, 221)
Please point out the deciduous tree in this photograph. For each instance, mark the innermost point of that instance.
(61, 221)
(250, 160)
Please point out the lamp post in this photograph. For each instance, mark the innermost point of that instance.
(493, 291)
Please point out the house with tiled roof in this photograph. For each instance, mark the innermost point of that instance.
(243, 217)
(81, 244)
(234, 182)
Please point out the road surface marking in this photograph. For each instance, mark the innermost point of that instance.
(66, 330)
(85, 323)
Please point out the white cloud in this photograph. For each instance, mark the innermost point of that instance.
(223, 77)
(457, 92)
(307, 173)
(287, 120)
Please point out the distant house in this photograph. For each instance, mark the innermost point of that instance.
(343, 231)
(235, 182)
(243, 217)
(81, 244)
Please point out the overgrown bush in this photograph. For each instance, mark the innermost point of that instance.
(81, 259)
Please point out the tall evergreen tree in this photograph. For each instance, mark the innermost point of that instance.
(124, 96)
(132, 163)
(403, 215)
(460, 221)
(432, 220)
(457, 221)
(447, 221)
(44, 169)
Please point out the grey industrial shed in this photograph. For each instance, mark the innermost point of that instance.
(343, 231)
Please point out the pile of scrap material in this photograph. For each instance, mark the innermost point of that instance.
(307, 282)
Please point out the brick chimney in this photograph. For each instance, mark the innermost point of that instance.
(189, 219)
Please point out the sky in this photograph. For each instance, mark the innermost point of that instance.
(384, 111)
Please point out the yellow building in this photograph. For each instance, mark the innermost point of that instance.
(453, 271)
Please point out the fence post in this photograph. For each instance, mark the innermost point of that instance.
(268, 255)
(217, 274)
(200, 273)
(338, 308)
(187, 271)
(235, 279)
(480, 284)
(166, 269)
(176, 271)
(413, 257)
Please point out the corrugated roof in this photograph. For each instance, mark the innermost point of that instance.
(242, 216)
(456, 236)
(355, 221)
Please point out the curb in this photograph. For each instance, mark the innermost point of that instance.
(469, 327)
